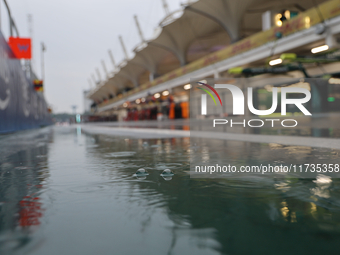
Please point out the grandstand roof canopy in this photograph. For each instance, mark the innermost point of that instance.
(196, 30)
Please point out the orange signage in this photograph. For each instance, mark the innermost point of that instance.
(38, 85)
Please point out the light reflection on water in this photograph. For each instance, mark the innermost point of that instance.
(64, 192)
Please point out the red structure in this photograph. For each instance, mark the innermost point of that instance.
(21, 47)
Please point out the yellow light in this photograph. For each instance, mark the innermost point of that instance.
(235, 70)
(287, 14)
(320, 49)
(277, 18)
(307, 22)
(288, 56)
(334, 81)
(143, 100)
(125, 105)
(284, 210)
(137, 101)
(187, 86)
(165, 93)
(275, 62)
(157, 95)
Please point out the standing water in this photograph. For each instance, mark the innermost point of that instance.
(65, 192)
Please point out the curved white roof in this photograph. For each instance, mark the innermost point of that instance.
(200, 28)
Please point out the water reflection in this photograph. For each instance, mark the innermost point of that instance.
(233, 216)
(23, 175)
(167, 175)
(323, 182)
(213, 152)
(141, 174)
(102, 204)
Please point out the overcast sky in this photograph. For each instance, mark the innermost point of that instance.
(77, 35)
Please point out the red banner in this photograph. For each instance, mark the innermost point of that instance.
(21, 47)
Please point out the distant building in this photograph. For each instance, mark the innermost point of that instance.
(253, 38)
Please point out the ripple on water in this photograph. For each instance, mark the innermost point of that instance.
(162, 166)
(120, 154)
(22, 168)
(87, 189)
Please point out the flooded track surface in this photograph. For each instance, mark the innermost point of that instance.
(66, 192)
